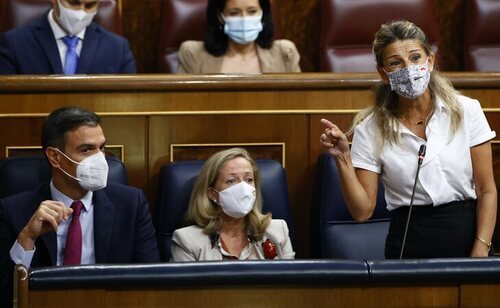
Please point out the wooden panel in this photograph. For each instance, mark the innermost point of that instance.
(480, 295)
(131, 132)
(261, 150)
(27, 151)
(68, 298)
(450, 15)
(256, 296)
(19, 132)
(141, 26)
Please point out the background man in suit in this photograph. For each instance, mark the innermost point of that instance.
(36, 226)
(65, 40)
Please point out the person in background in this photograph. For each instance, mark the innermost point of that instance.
(455, 201)
(239, 39)
(39, 227)
(225, 208)
(65, 41)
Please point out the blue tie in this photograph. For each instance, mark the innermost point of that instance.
(71, 60)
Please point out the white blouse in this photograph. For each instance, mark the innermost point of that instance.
(446, 173)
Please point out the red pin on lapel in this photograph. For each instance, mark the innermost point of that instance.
(269, 249)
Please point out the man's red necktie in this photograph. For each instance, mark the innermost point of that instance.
(73, 249)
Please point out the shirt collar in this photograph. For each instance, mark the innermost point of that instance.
(59, 33)
(439, 105)
(59, 196)
(438, 108)
(244, 255)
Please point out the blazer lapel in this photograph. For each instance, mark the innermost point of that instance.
(89, 48)
(266, 59)
(47, 41)
(49, 239)
(104, 211)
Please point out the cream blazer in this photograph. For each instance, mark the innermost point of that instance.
(191, 244)
(282, 57)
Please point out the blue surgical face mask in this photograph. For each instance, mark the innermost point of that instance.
(243, 29)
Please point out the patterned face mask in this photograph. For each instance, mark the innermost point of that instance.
(411, 81)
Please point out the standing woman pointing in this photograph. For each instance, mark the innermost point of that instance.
(455, 201)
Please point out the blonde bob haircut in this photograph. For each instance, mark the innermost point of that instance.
(207, 214)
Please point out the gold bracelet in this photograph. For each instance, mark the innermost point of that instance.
(484, 242)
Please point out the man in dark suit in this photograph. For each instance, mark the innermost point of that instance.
(112, 221)
(65, 41)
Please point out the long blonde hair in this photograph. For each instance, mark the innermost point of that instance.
(386, 110)
(207, 214)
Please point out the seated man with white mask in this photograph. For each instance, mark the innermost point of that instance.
(38, 227)
(65, 41)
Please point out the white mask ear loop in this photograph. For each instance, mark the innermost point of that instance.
(74, 162)
(214, 200)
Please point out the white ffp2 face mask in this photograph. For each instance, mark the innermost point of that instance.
(243, 30)
(238, 200)
(91, 173)
(74, 21)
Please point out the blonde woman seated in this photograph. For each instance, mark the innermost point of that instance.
(226, 206)
(239, 39)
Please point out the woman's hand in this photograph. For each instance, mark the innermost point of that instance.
(479, 249)
(333, 139)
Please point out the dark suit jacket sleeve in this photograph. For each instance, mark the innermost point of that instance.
(7, 65)
(146, 245)
(128, 65)
(7, 238)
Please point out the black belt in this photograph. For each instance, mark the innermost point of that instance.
(430, 207)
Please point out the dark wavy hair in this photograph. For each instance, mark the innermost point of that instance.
(216, 40)
(63, 120)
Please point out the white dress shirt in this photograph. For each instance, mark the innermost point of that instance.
(21, 256)
(446, 173)
(59, 33)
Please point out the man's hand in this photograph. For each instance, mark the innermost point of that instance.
(47, 218)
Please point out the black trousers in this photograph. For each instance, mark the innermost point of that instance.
(444, 231)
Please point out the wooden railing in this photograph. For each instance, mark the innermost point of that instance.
(290, 283)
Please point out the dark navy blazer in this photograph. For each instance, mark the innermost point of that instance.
(32, 49)
(123, 229)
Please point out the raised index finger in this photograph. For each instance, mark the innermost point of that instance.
(327, 123)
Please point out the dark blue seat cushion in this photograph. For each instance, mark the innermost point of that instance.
(334, 232)
(200, 274)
